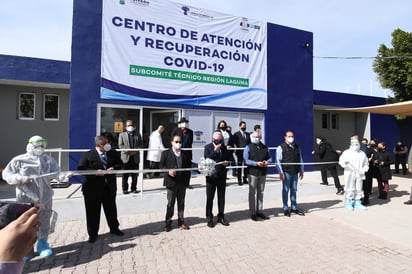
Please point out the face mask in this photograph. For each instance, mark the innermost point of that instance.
(177, 145)
(38, 151)
(107, 147)
(254, 140)
(130, 128)
(216, 142)
(372, 145)
(355, 147)
(399, 144)
(318, 142)
(243, 129)
(290, 140)
(183, 125)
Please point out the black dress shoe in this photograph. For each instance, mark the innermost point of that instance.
(286, 212)
(210, 224)
(223, 221)
(117, 232)
(298, 212)
(325, 184)
(92, 239)
(254, 217)
(239, 182)
(245, 181)
(135, 191)
(263, 216)
(126, 192)
(340, 191)
(168, 227)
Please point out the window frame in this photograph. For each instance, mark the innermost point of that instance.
(20, 112)
(44, 107)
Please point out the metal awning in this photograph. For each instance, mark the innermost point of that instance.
(403, 108)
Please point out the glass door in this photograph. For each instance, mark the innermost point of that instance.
(168, 118)
(112, 118)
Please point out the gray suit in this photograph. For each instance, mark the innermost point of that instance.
(130, 140)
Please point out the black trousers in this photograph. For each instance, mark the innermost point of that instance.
(130, 165)
(367, 185)
(178, 192)
(94, 199)
(212, 185)
(154, 165)
(333, 172)
(400, 160)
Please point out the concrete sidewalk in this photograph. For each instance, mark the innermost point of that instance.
(329, 239)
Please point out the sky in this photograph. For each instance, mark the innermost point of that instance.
(350, 28)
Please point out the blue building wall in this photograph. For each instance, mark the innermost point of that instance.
(290, 87)
(383, 127)
(20, 68)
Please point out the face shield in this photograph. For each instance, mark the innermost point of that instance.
(36, 145)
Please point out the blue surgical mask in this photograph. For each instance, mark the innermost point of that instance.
(254, 140)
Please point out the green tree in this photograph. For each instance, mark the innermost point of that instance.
(394, 66)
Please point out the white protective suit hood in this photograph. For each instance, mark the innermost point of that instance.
(36, 145)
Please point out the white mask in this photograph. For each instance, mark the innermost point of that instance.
(355, 147)
(130, 128)
(318, 141)
(107, 147)
(38, 151)
(177, 145)
(183, 125)
(290, 140)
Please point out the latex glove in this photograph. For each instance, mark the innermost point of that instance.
(64, 176)
(23, 179)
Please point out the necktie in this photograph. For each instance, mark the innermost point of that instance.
(104, 160)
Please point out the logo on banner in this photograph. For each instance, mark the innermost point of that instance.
(244, 25)
(185, 10)
(198, 134)
(140, 2)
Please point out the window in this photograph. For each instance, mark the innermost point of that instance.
(335, 121)
(325, 120)
(51, 107)
(26, 106)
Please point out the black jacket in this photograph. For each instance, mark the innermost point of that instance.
(168, 161)
(324, 152)
(91, 161)
(382, 172)
(210, 153)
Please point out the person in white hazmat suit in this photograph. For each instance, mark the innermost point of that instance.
(31, 174)
(355, 164)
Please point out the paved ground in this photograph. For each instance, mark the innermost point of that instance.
(329, 239)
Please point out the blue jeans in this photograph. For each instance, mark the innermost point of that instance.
(290, 184)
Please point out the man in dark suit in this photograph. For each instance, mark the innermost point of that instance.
(324, 152)
(216, 151)
(100, 190)
(186, 134)
(130, 139)
(241, 139)
(176, 182)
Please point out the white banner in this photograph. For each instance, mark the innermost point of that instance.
(169, 53)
